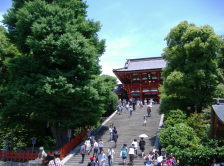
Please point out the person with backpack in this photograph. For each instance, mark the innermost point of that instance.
(142, 146)
(92, 162)
(114, 130)
(110, 156)
(123, 153)
(115, 137)
(131, 154)
(135, 143)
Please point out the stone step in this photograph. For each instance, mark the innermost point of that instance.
(129, 128)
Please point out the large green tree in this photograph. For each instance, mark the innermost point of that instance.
(7, 51)
(191, 75)
(54, 83)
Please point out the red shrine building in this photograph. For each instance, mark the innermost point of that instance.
(141, 77)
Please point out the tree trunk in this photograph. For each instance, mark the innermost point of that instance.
(60, 136)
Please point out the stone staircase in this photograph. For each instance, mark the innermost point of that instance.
(129, 128)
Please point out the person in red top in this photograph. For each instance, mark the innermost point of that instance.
(92, 162)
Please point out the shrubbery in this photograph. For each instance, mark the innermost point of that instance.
(174, 117)
(188, 138)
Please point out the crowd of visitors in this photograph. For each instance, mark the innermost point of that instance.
(154, 159)
(49, 159)
(99, 156)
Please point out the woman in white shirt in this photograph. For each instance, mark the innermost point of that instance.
(135, 143)
(131, 153)
(88, 146)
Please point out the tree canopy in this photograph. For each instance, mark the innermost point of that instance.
(7, 51)
(192, 74)
(55, 82)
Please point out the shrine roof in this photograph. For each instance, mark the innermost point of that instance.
(219, 111)
(143, 64)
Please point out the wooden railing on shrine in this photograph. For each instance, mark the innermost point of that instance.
(73, 143)
(18, 156)
(24, 156)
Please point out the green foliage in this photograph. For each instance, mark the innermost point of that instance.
(56, 81)
(197, 122)
(174, 117)
(7, 51)
(105, 85)
(219, 92)
(192, 72)
(180, 135)
(188, 138)
(221, 62)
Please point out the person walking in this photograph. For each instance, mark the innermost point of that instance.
(142, 146)
(102, 159)
(127, 107)
(145, 102)
(131, 154)
(118, 109)
(149, 110)
(110, 156)
(135, 143)
(55, 160)
(115, 137)
(133, 104)
(95, 147)
(144, 120)
(140, 104)
(88, 146)
(92, 162)
(130, 112)
(123, 154)
(83, 152)
(101, 145)
(111, 132)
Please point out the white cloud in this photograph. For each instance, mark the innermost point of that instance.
(1, 18)
(120, 43)
(119, 47)
(107, 69)
(117, 51)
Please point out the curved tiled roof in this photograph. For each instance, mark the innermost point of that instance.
(143, 64)
(219, 111)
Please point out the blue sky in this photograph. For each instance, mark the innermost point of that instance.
(137, 28)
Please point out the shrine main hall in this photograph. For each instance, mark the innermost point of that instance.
(141, 78)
